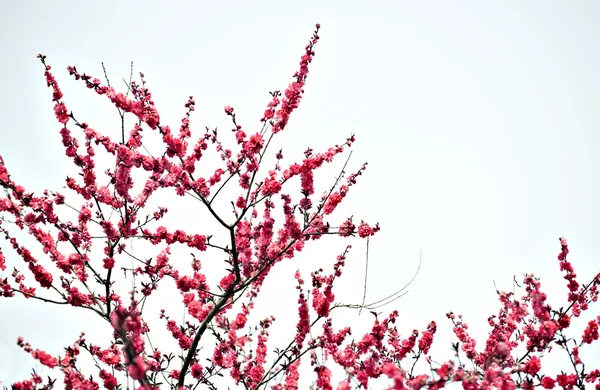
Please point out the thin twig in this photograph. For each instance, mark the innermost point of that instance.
(387, 300)
(366, 273)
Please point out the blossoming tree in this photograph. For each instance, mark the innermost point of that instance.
(271, 220)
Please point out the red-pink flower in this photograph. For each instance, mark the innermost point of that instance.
(137, 369)
(590, 333)
(364, 230)
(548, 382)
(566, 380)
(427, 337)
(394, 373)
(61, 112)
(196, 370)
(532, 366)
(45, 358)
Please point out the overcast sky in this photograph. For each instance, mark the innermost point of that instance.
(479, 121)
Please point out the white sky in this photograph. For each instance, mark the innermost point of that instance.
(479, 122)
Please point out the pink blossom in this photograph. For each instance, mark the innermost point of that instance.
(364, 230)
(137, 370)
(590, 333)
(196, 370)
(532, 366)
(45, 358)
(548, 382)
(427, 337)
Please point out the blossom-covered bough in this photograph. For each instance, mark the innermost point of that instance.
(113, 212)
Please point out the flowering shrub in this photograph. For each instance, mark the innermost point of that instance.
(218, 340)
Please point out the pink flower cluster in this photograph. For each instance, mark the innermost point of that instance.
(128, 326)
(294, 91)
